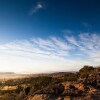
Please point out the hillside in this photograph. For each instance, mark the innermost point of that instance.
(82, 85)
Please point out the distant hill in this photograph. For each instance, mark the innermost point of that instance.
(6, 73)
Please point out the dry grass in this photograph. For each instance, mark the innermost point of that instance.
(9, 88)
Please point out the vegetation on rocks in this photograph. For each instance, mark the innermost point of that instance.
(82, 84)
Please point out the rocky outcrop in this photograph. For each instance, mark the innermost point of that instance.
(86, 89)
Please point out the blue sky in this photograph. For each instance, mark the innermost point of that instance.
(49, 35)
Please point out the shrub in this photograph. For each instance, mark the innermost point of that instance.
(70, 77)
(19, 89)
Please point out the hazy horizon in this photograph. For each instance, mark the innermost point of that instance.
(38, 36)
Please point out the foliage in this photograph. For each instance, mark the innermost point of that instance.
(70, 77)
(19, 89)
(29, 86)
(86, 69)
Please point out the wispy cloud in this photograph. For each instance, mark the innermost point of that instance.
(67, 31)
(52, 54)
(36, 8)
(87, 25)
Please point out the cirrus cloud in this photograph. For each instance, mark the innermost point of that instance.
(36, 8)
(52, 54)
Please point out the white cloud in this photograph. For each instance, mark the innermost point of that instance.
(36, 8)
(72, 40)
(52, 54)
(60, 43)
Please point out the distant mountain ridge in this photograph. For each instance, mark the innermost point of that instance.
(7, 73)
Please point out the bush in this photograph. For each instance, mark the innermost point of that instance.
(86, 69)
(27, 90)
(70, 77)
(19, 89)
